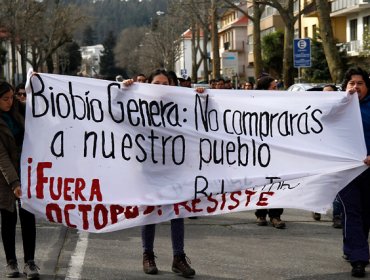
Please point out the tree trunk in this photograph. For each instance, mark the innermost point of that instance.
(50, 64)
(194, 70)
(335, 63)
(23, 54)
(205, 54)
(14, 60)
(288, 69)
(216, 65)
(257, 49)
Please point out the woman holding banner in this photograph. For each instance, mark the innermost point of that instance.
(180, 262)
(355, 197)
(269, 83)
(11, 138)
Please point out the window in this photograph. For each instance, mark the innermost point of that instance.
(366, 22)
(353, 30)
(314, 31)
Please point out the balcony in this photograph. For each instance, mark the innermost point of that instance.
(309, 9)
(346, 7)
(353, 47)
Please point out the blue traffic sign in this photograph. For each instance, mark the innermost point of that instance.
(302, 53)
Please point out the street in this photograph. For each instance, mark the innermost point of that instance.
(227, 246)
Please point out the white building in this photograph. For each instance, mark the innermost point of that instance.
(183, 65)
(6, 69)
(90, 65)
(357, 14)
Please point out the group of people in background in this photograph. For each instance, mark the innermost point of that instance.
(351, 206)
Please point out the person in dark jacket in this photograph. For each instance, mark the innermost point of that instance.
(355, 197)
(11, 139)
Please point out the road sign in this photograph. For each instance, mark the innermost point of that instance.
(302, 53)
(184, 73)
(229, 64)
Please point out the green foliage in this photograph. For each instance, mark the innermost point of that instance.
(273, 53)
(70, 60)
(319, 70)
(116, 15)
(89, 37)
(107, 61)
(366, 42)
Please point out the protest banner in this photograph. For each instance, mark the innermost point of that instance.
(99, 157)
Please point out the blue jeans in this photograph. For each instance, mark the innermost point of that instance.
(177, 236)
(337, 207)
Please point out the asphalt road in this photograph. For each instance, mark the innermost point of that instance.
(228, 246)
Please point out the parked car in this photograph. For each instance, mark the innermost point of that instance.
(306, 87)
(309, 87)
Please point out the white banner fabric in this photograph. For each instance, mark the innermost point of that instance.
(100, 158)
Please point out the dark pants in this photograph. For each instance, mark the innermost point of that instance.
(177, 236)
(273, 213)
(337, 207)
(8, 231)
(355, 199)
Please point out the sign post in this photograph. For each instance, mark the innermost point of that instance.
(302, 54)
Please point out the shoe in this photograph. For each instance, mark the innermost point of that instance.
(12, 270)
(261, 221)
(337, 222)
(316, 216)
(358, 269)
(277, 223)
(31, 270)
(181, 265)
(149, 265)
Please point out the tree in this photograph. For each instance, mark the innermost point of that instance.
(127, 50)
(333, 58)
(89, 36)
(285, 9)
(160, 47)
(257, 9)
(366, 42)
(70, 59)
(108, 67)
(272, 54)
(319, 70)
(196, 14)
(37, 29)
(3, 53)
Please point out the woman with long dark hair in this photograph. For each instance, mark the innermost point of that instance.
(11, 139)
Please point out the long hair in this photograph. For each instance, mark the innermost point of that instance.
(16, 106)
(156, 73)
(264, 82)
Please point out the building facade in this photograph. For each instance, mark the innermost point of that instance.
(233, 42)
(90, 66)
(183, 66)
